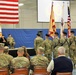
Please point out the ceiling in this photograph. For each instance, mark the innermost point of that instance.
(28, 4)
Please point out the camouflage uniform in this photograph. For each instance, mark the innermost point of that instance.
(39, 60)
(11, 41)
(47, 47)
(3, 61)
(55, 45)
(38, 42)
(72, 42)
(20, 62)
(64, 42)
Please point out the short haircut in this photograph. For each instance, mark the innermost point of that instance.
(20, 49)
(41, 49)
(61, 50)
(6, 49)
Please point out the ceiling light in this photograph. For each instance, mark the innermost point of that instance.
(21, 4)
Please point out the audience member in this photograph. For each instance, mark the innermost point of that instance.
(3, 59)
(39, 59)
(60, 64)
(20, 61)
(11, 41)
(26, 53)
(6, 52)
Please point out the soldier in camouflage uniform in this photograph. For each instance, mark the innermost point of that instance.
(39, 59)
(20, 61)
(38, 42)
(72, 43)
(3, 59)
(9, 57)
(64, 42)
(11, 41)
(47, 45)
(55, 44)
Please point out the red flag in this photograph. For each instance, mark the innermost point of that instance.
(9, 12)
(52, 26)
(69, 23)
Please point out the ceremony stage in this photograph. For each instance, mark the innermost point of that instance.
(13, 52)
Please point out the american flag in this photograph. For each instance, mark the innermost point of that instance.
(69, 23)
(9, 12)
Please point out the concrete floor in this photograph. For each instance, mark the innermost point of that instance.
(74, 72)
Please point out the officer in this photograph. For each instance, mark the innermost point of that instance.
(38, 41)
(11, 41)
(47, 45)
(72, 45)
(55, 44)
(64, 42)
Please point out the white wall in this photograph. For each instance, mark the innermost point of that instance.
(28, 19)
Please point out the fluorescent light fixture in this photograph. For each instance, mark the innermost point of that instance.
(21, 4)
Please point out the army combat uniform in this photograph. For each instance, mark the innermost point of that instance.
(20, 62)
(38, 42)
(55, 45)
(47, 48)
(39, 60)
(72, 42)
(11, 41)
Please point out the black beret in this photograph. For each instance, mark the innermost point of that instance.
(64, 33)
(72, 32)
(47, 35)
(56, 33)
(38, 34)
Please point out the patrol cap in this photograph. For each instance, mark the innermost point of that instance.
(56, 33)
(47, 35)
(20, 49)
(72, 32)
(64, 33)
(1, 46)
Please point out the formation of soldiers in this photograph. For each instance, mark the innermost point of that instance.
(51, 46)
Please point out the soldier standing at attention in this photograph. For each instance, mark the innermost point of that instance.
(11, 41)
(3, 59)
(55, 44)
(39, 59)
(64, 42)
(20, 61)
(72, 42)
(38, 42)
(47, 45)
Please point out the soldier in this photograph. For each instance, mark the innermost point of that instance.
(6, 51)
(47, 47)
(20, 61)
(55, 44)
(38, 42)
(72, 45)
(39, 59)
(64, 42)
(11, 41)
(3, 59)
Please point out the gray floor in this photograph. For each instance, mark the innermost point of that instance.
(74, 72)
